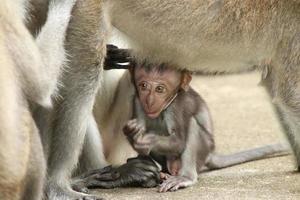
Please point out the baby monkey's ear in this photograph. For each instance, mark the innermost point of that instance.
(185, 80)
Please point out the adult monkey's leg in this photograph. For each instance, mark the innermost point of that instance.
(86, 47)
(283, 83)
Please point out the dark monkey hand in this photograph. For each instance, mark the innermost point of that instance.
(117, 58)
(140, 171)
(141, 142)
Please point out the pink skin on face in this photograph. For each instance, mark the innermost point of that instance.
(155, 89)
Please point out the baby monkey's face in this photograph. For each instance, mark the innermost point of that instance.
(156, 89)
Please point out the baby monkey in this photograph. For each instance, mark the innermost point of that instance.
(172, 125)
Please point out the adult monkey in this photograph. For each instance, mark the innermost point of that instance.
(72, 128)
(223, 36)
(72, 113)
(29, 72)
(33, 68)
(86, 33)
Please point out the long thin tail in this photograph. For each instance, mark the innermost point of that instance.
(221, 161)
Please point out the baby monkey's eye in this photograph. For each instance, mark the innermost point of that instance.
(143, 86)
(160, 89)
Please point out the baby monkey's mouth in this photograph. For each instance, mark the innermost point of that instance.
(152, 114)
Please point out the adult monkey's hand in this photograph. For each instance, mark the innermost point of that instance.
(139, 171)
(117, 58)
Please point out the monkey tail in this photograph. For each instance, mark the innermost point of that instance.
(216, 161)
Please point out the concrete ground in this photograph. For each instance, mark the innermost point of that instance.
(243, 118)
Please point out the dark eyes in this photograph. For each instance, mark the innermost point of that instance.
(143, 86)
(146, 86)
(160, 89)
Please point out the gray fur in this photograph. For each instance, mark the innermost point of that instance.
(85, 44)
(32, 68)
(184, 131)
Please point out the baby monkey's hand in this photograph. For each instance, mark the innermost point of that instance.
(140, 141)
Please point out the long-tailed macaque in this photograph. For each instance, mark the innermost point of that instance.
(34, 65)
(29, 70)
(172, 124)
(73, 132)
